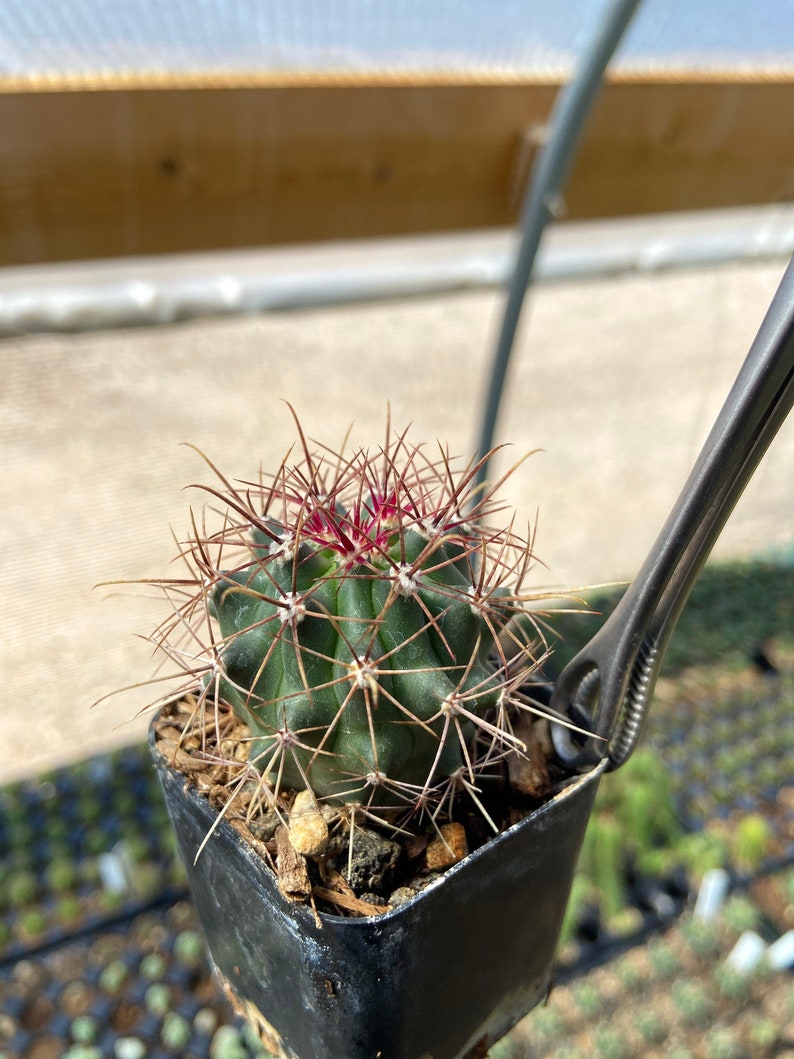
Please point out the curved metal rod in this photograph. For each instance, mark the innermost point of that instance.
(543, 200)
(608, 685)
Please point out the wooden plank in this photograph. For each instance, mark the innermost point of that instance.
(661, 146)
(142, 168)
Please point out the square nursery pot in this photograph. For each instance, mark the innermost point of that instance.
(457, 965)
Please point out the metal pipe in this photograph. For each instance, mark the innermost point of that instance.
(544, 200)
(141, 292)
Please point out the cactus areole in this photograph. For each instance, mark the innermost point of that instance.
(362, 614)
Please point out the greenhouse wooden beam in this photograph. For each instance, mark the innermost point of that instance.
(147, 167)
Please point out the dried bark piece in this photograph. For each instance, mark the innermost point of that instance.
(179, 758)
(350, 904)
(291, 872)
(169, 733)
(338, 891)
(257, 845)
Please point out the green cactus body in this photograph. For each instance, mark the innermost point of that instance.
(361, 612)
(354, 673)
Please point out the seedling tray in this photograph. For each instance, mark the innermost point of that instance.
(80, 847)
(142, 988)
(730, 759)
(100, 953)
(678, 996)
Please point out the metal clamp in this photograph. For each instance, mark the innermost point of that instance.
(607, 687)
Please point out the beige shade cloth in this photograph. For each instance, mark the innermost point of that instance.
(617, 382)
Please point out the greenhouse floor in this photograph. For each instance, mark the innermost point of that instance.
(101, 954)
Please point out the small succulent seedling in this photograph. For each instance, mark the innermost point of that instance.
(692, 1001)
(664, 958)
(751, 841)
(588, 999)
(583, 892)
(609, 1043)
(633, 820)
(356, 612)
(650, 1026)
(603, 857)
(547, 1026)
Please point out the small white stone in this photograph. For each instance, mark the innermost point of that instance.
(308, 829)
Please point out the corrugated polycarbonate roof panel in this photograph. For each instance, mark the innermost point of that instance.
(52, 38)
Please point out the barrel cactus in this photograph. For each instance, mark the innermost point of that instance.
(363, 614)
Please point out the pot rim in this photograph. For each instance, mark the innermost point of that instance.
(469, 862)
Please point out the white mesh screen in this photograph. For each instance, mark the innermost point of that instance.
(100, 37)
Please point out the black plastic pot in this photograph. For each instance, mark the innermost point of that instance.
(459, 963)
